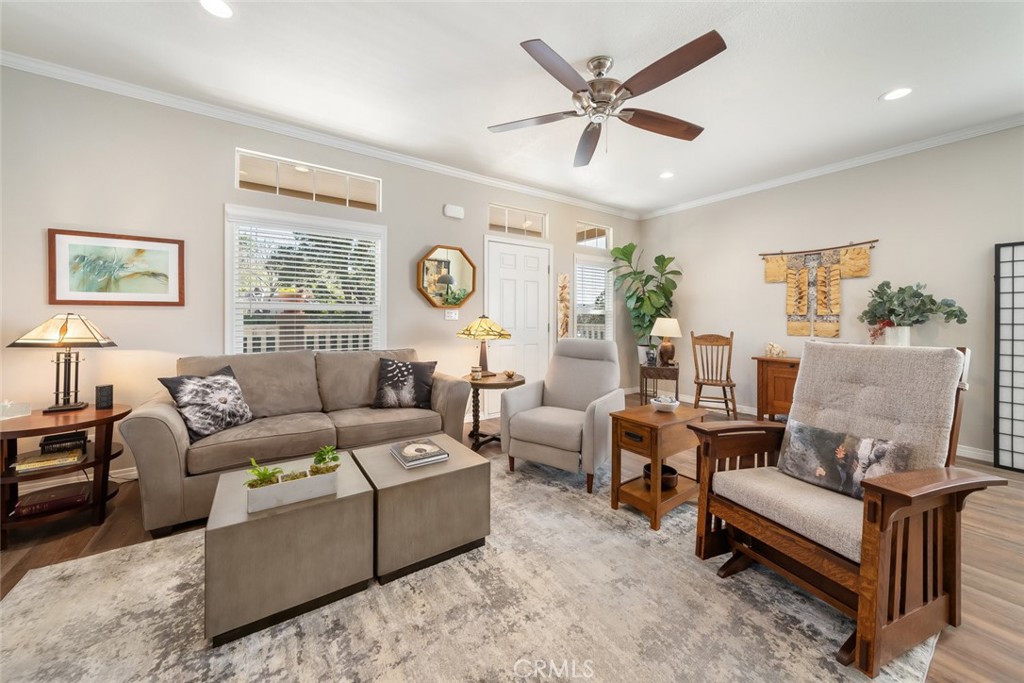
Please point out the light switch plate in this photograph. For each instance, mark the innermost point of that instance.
(451, 314)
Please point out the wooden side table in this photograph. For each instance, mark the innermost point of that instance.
(649, 376)
(654, 435)
(485, 383)
(776, 378)
(99, 453)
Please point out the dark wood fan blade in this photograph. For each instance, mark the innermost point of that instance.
(675, 63)
(553, 63)
(661, 123)
(535, 121)
(588, 143)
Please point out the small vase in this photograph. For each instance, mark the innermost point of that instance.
(897, 336)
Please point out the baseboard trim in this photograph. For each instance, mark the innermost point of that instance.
(123, 474)
(978, 455)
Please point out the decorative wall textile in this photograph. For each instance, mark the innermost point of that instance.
(564, 305)
(813, 299)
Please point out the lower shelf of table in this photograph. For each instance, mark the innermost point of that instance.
(55, 515)
(637, 493)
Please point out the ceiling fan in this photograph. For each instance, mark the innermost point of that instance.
(601, 98)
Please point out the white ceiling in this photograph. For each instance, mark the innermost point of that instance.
(796, 89)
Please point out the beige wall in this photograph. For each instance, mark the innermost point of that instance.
(78, 158)
(936, 213)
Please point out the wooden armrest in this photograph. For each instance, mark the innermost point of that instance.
(908, 488)
(718, 428)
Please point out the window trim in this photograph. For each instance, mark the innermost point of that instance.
(609, 232)
(508, 207)
(234, 213)
(585, 257)
(240, 151)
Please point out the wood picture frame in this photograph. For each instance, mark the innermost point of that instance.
(105, 269)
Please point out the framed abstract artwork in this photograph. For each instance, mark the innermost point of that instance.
(103, 269)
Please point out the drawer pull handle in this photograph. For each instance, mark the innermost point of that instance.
(633, 436)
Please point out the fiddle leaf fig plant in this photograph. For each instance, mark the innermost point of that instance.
(648, 296)
(906, 306)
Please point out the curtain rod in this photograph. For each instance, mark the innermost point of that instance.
(815, 251)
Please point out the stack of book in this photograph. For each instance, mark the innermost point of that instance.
(56, 450)
(418, 453)
(51, 500)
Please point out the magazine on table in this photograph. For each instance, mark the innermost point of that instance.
(418, 452)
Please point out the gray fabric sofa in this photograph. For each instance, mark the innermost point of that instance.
(300, 400)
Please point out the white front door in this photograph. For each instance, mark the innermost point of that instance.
(518, 296)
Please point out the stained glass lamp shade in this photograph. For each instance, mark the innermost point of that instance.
(483, 329)
(63, 332)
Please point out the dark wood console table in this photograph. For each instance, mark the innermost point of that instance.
(776, 378)
(99, 453)
(649, 376)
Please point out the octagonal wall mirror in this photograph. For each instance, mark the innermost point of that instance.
(446, 277)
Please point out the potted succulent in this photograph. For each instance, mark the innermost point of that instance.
(893, 312)
(325, 461)
(648, 296)
(271, 487)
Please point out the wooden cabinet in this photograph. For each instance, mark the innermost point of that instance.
(776, 378)
(649, 376)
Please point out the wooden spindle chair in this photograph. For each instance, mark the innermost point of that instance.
(712, 367)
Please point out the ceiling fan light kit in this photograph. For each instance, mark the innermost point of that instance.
(601, 98)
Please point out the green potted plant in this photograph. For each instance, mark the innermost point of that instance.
(271, 487)
(262, 476)
(325, 461)
(893, 312)
(648, 295)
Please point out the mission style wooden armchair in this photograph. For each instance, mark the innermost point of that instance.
(890, 561)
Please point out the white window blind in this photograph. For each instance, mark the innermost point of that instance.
(593, 299)
(303, 283)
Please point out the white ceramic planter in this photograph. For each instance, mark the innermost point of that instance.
(897, 336)
(286, 492)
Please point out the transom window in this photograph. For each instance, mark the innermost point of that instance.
(593, 298)
(290, 178)
(301, 282)
(513, 221)
(589, 235)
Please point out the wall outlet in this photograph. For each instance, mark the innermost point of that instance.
(451, 314)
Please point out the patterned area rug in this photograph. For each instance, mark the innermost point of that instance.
(565, 589)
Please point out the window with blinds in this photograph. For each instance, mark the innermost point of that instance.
(593, 299)
(299, 282)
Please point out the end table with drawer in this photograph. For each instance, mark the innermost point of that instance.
(654, 435)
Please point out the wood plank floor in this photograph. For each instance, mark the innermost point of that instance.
(988, 647)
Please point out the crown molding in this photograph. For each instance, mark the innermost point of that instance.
(90, 80)
(874, 157)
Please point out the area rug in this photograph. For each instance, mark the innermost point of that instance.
(565, 589)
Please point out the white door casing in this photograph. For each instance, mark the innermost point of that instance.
(517, 295)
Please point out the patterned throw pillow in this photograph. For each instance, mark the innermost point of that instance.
(208, 404)
(838, 461)
(404, 384)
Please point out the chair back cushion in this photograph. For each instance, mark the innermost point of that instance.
(892, 406)
(580, 371)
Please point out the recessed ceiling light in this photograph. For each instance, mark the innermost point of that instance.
(527, 224)
(666, 175)
(217, 8)
(895, 94)
(302, 169)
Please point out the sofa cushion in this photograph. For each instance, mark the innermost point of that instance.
(838, 461)
(265, 439)
(580, 371)
(348, 379)
(558, 427)
(825, 517)
(404, 384)
(278, 383)
(362, 426)
(903, 394)
(208, 404)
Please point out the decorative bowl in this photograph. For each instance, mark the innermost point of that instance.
(509, 374)
(669, 476)
(665, 406)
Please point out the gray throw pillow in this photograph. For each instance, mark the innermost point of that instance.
(404, 384)
(208, 404)
(838, 461)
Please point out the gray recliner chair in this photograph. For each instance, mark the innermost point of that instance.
(565, 420)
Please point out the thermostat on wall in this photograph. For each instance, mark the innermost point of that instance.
(454, 211)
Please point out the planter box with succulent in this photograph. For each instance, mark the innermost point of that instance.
(325, 461)
(904, 307)
(648, 296)
(272, 487)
